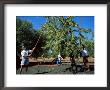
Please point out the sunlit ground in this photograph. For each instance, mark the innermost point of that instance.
(56, 69)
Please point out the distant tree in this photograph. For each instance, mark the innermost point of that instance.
(27, 36)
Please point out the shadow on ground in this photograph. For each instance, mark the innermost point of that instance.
(18, 61)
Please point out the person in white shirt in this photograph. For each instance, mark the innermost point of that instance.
(58, 62)
(25, 54)
(85, 56)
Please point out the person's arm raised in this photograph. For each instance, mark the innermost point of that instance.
(33, 49)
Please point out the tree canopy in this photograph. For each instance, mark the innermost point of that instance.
(57, 35)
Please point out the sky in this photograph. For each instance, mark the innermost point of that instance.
(83, 21)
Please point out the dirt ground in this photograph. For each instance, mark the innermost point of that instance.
(53, 69)
(64, 68)
(90, 59)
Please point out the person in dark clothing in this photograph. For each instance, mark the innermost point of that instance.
(73, 63)
(85, 56)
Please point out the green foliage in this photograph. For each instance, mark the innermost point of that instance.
(57, 35)
(90, 47)
(23, 33)
(27, 36)
(60, 34)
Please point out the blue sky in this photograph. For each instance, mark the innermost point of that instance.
(83, 21)
(37, 21)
